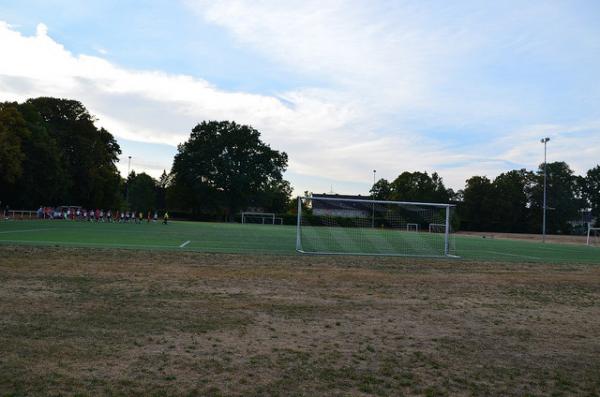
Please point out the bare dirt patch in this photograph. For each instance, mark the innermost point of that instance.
(81, 321)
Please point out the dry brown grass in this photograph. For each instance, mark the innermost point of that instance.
(90, 322)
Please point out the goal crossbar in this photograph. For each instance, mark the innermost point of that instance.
(440, 205)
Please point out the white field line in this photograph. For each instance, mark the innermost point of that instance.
(24, 230)
(184, 244)
(507, 254)
(220, 249)
(86, 244)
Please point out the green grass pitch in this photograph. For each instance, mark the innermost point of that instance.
(263, 239)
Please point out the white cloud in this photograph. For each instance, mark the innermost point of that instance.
(410, 64)
(389, 74)
(320, 129)
(398, 58)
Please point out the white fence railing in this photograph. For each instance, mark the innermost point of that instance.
(19, 214)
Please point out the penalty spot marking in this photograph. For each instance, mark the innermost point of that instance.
(184, 244)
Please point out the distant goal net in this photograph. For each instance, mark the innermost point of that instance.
(330, 225)
(412, 227)
(437, 228)
(593, 236)
(261, 218)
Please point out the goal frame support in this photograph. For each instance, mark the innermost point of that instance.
(447, 208)
(589, 233)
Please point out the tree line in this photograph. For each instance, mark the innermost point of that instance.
(511, 202)
(52, 153)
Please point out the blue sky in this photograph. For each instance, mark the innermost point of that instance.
(155, 35)
(344, 87)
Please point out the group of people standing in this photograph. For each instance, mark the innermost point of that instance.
(98, 215)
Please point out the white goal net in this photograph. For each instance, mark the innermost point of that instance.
(330, 225)
(593, 236)
(261, 218)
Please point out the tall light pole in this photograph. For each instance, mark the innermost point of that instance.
(373, 197)
(127, 182)
(545, 142)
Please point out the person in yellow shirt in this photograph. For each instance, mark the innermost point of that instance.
(165, 218)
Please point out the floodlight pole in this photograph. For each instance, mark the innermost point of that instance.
(373, 197)
(127, 182)
(544, 141)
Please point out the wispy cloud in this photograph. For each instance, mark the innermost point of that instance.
(320, 129)
(456, 88)
(496, 73)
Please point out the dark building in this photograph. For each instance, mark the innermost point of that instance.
(345, 209)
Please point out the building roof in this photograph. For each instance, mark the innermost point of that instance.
(339, 205)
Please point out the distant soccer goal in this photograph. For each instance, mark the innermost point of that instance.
(412, 227)
(593, 236)
(437, 228)
(330, 225)
(261, 218)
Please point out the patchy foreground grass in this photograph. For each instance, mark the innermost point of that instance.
(89, 322)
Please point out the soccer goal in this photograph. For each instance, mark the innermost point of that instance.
(437, 228)
(412, 227)
(593, 236)
(261, 218)
(330, 225)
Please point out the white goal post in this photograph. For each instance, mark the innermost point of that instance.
(331, 225)
(263, 218)
(593, 236)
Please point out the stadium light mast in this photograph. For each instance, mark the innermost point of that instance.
(373, 197)
(545, 142)
(127, 182)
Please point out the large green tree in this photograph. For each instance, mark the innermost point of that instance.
(381, 190)
(43, 180)
(509, 201)
(224, 167)
(51, 153)
(142, 189)
(419, 186)
(592, 191)
(163, 183)
(476, 209)
(13, 131)
(87, 154)
(563, 198)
